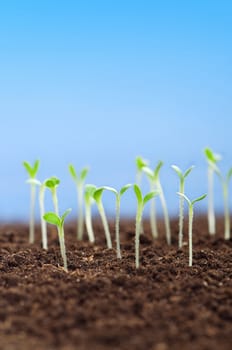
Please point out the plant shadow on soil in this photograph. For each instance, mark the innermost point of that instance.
(105, 303)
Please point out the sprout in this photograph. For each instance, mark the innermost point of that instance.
(212, 159)
(79, 181)
(97, 195)
(225, 189)
(117, 218)
(88, 198)
(190, 205)
(141, 201)
(52, 184)
(32, 172)
(42, 188)
(54, 219)
(155, 184)
(140, 163)
(182, 176)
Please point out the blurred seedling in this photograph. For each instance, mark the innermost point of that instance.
(155, 184)
(190, 225)
(32, 171)
(54, 219)
(118, 195)
(141, 201)
(79, 180)
(88, 199)
(212, 159)
(182, 176)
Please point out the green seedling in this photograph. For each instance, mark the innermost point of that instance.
(212, 159)
(97, 195)
(153, 176)
(32, 171)
(225, 189)
(118, 195)
(54, 219)
(52, 184)
(42, 188)
(182, 176)
(79, 180)
(191, 205)
(88, 199)
(140, 164)
(141, 201)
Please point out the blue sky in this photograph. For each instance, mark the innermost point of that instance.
(98, 82)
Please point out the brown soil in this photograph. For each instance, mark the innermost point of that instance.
(105, 303)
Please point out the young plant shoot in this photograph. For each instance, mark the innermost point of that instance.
(118, 195)
(182, 176)
(54, 219)
(191, 205)
(42, 188)
(155, 184)
(141, 201)
(52, 184)
(140, 163)
(97, 195)
(212, 159)
(79, 180)
(32, 171)
(225, 190)
(88, 199)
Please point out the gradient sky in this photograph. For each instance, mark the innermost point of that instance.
(98, 82)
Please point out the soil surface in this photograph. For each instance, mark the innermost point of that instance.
(105, 303)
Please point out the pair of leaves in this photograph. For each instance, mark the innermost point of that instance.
(143, 200)
(97, 194)
(191, 203)
(78, 178)
(140, 163)
(32, 169)
(52, 182)
(153, 175)
(54, 219)
(182, 175)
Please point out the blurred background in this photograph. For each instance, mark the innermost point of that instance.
(97, 83)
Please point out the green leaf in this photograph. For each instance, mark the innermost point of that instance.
(140, 162)
(138, 194)
(52, 218)
(188, 171)
(98, 194)
(211, 157)
(177, 170)
(229, 174)
(64, 215)
(185, 197)
(111, 189)
(84, 173)
(199, 198)
(124, 189)
(36, 167)
(157, 169)
(149, 196)
(28, 168)
(72, 172)
(148, 172)
(52, 182)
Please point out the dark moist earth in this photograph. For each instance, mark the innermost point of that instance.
(105, 303)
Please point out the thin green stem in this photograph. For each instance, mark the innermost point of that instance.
(190, 235)
(153, 222)
(105, 224)
(117, 219)
(55, 201)
(62, 246)
(88, 221)
(211, 215)
(32, 215)
(80, 221)
(137, 233)
(181, 214)
(226, 210)
(165, 211)
(42, 212)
